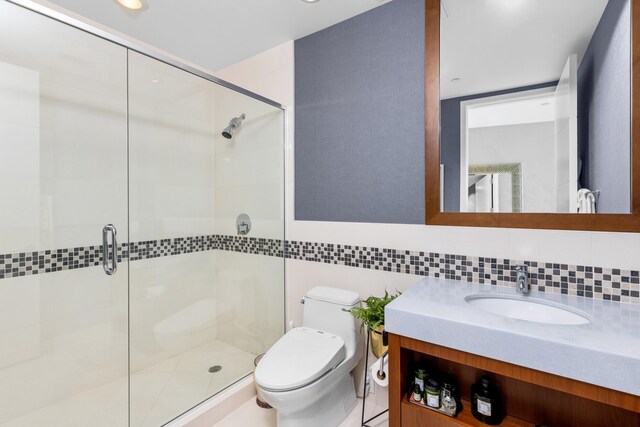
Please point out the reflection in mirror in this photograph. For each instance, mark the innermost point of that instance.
(535, 106)
(500, 185)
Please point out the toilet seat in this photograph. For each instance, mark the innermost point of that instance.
(300, 357)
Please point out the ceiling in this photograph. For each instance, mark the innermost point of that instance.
(487, 44)
(217, 33)
(537, 108)
(501, 44)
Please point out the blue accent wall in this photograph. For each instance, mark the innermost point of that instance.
(359, 121)
(604, 110)
(450, 140)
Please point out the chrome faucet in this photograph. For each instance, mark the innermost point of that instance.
(243, 228)
(243, 224)
(522, 279)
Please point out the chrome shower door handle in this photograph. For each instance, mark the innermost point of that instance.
(109, 269)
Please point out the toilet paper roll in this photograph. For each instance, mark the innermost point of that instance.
(374, 372)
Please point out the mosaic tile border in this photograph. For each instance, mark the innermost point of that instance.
(252, 245)
(586, 281)
(50, 261)
(148, 249)
(184, 245)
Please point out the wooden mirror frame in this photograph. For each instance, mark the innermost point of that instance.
(555, 221)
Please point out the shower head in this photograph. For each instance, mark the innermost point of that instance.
(233, 125)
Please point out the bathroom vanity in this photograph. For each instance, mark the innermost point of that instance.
(580, 373)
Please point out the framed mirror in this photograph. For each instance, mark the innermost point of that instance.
(531, 118)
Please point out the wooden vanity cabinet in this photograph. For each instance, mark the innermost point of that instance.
(530, 397)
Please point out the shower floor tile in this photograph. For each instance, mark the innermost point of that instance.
(186, 381)
(159, 393)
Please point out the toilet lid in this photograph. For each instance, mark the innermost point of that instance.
(300, 357)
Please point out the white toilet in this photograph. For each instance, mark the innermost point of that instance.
(306, 375)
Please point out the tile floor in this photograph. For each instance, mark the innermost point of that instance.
(158, 393)
(250, 414)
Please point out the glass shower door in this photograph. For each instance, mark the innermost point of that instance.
(63, 177)
(204, 300)
(171, 218)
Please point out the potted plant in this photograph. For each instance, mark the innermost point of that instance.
(372, 316)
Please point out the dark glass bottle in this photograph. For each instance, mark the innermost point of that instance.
(486, 404)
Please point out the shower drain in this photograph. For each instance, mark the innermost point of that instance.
(214, 369)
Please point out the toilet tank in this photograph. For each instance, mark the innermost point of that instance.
(326, 308)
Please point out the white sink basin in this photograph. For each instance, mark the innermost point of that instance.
(527, 308)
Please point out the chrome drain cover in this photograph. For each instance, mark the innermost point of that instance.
(215, 368)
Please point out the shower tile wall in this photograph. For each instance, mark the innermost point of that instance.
(171, 195)
(62, 177)
(63, 133)
(187, 180)
(250, 167)
(250, 305)
(249, 177)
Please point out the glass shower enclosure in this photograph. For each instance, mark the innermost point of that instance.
(129, 292)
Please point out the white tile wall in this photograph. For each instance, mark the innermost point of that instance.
(63, 133)
(249, 168)
(172, 151)
(269, 74)
(249, 177)
(63, 334)
(250, 295)
(160, 288)
(172, 184)
(20, 156)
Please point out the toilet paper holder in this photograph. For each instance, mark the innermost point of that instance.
(381, 374)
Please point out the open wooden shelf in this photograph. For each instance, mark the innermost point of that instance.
(423, 417)
(529, 397)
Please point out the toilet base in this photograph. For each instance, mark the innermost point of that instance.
(329, 411)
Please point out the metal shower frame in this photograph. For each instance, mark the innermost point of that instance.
(136, 46)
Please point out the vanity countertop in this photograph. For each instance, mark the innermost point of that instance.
(605, 352)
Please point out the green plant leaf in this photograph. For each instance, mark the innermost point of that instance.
(372, 314)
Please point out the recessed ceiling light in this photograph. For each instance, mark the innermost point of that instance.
(155, 81)
(311, 1)
(131, 4)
